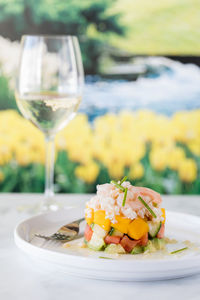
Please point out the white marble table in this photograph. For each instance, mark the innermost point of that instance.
(21, 279)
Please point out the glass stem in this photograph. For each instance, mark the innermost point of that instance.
(49, 170)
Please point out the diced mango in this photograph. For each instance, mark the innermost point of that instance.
(122, 224)
(89, 217)
(163, 215)
(137, 228)
(101, 220)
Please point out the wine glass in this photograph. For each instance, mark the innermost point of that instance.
(48, 91)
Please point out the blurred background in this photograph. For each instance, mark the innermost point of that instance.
(140, 114)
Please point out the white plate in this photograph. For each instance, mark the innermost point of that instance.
(86, 263)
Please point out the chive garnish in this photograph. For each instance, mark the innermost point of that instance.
(111, 231)
(118, 185)
(105, 257)
(147, 206)
(123, 179)
(179, 250)
(125, 195)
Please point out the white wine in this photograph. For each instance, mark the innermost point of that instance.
(50, 112)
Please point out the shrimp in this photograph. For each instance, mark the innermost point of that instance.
(150, 196)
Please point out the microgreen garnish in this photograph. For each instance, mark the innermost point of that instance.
(125, 195)
(179, 250)
(105, 257)
(118, 185)
(147, 207)
(123, 179)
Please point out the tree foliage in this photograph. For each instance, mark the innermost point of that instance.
(62, 17)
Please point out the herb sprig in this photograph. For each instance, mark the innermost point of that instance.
(125, 195)
(111, 231)
(123, 189)
(123, 179)
(104, 257)
(118, 185)
(147, 207)
(179, 250)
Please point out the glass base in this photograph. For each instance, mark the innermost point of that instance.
(50, 205)
(45, 205)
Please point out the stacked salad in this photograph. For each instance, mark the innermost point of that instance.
(122, 218)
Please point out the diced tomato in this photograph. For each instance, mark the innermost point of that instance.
(128, 244)
(144, 240)
(161, 232)
(112, 239)
(88, 233)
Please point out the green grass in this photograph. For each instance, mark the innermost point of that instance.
(159, 27)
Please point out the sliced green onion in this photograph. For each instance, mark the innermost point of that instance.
(118, 185)
(105, 257)
(147, 206)
(123, 179)
(125, 195)
(179, 250)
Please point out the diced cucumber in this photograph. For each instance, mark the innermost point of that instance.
(154, 245)
(159, 243)
(137, 249)
(115, 232)
(154, 228)
(150, 247)
(115, 249)
(96, 243)
(100, 232)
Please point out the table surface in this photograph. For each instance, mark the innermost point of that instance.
(20, 279)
